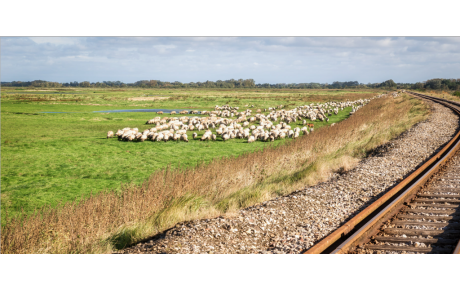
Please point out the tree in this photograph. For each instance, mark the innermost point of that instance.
(388, 84)
(434, 83)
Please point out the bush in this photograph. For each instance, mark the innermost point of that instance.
(456, 93)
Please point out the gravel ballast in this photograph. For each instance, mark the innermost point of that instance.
(293, 223)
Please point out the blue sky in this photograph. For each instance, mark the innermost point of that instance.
(265, 59)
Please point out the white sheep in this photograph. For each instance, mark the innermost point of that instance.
(184, 137)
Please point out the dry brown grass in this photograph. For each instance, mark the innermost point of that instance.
(111, 220)
(442, 94)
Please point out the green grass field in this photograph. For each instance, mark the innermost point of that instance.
(47, 158)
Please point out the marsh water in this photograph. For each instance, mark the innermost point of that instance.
(131, 110)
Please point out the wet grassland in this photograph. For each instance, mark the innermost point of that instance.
(49, 158)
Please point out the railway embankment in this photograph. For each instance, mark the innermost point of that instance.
(293, 223)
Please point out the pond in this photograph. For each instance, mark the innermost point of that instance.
(131, 110)
(140, 110)
(37, 92)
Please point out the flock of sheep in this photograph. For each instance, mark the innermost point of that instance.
(221, 119)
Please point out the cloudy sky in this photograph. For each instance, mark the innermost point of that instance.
(264, 59)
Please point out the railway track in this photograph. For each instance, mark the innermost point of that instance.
(419, 215)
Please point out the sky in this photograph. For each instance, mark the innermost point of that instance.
(264, 59)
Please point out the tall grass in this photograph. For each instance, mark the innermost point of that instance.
(112, 220)
(442, 94)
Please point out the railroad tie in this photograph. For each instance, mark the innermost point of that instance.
(391, 239)
(447, 184)
(444, 190)
(433, 217)
(454, 179)
(425, 232)
(431, 224)
(439, 195)
(434, 205)
(399, 248)
(428, 211)
(438, 201)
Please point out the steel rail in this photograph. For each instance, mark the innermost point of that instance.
(391, 202)
(457, 249)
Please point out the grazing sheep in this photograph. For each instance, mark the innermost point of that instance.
(184, 137)
(251, 139)
(265, 137)
(175, 128)
(173, 112)
(304, 130)
(206, 136)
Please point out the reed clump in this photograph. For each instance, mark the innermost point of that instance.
(111, 220)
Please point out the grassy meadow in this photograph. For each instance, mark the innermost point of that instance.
(49, 158)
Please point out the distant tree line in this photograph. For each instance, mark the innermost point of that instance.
(232, 83)
(432, 84)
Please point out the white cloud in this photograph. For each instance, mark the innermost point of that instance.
(56, 40)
